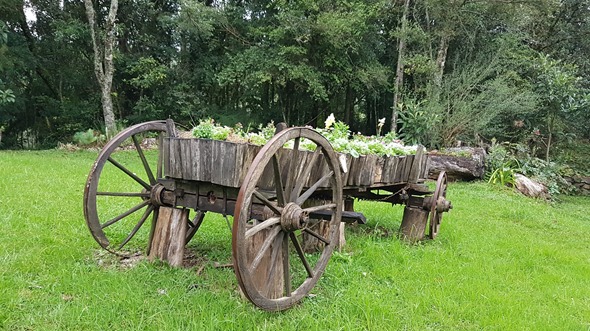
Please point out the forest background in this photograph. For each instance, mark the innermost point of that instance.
(438, 71)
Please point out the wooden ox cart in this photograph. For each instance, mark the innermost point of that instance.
(287, 203)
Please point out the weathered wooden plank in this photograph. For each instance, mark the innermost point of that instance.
(390, 168)
(249, 153)
(367, 173)
(204, 158)
(197, 161)
(409, 162)
(357, 169)
(378, 172)
(348, 160)
(425, 167)
(416, 168)
(399, 171)
(176, 158)
(236, 174)
(223, 162)
(166, 156)
(186, 157)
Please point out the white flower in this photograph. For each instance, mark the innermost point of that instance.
(330, 121)
(381, 122)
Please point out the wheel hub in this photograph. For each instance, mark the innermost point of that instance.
(443, 205)
(293, 217)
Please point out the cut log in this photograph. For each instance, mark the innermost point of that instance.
(459, 164)
(413, 224)
(169, 236)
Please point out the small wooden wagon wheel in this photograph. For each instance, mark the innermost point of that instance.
(439, 204)
(272, 270)
(122, 191)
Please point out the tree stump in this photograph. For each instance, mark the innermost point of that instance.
(169, 236)
(413, 224)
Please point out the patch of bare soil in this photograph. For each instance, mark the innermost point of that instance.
(191, 259)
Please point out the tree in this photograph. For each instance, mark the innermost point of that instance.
(399, 71)
(103, 45)
(562, 97)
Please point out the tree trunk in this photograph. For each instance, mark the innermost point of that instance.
(103, 60)
(348, 105)
(441, 59)
(549, 137)
(399, 72)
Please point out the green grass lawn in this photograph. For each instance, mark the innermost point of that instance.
(500, 262)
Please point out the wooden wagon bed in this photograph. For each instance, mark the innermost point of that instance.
(226, 163)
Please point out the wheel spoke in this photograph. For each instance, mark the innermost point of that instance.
(278, 181)
(129, 173)
(276, 209)
(144, 161)
(125, 214)
(316, 235)
(264, 248)
(318, 208)
(124, 194)
(304, 176)
(291, 176)
(258, 227)
(194, 227)
(286, 271)
(313, 188)
(146, 214)
(301, 254)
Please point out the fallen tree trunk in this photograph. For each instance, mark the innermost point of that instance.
(459, 163)
(530, 188)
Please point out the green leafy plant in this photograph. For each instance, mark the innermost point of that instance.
(88, 138)
(204, 130)
(6, 96)
(503, 175)
(337, 133)
(416, 122)
(506, 159)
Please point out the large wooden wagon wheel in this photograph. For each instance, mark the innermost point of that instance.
(438, 205)
(271, 267)
(122, 191)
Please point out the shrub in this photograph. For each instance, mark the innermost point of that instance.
(88, 138)
(506, 159)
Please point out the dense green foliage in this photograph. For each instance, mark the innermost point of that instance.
(500, 262)
(336, 132)
(473, 70)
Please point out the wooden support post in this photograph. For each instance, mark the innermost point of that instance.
(413, 224)
(169, 236)
(310, 243)
(268, 275)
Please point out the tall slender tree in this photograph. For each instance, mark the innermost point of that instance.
(103, 58)
(399, 71)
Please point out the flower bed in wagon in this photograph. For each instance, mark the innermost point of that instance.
(222, 155)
